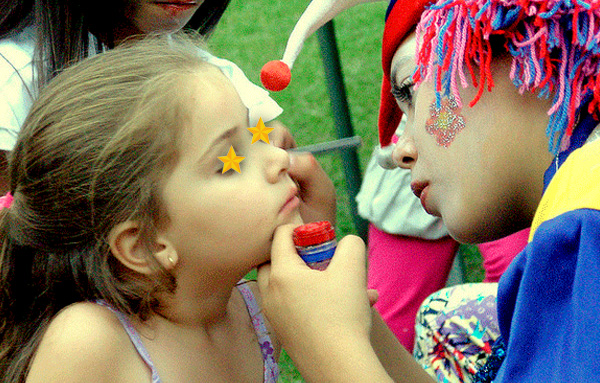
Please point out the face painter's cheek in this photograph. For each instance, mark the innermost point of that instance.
(445, 121)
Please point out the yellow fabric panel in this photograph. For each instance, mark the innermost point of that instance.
(576, 185)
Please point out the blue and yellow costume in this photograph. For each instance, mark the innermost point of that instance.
(548, 311)
(548, 306)
(548, 301)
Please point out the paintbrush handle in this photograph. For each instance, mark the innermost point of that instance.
(325, 147)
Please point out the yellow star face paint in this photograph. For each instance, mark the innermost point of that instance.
(231, 161)
(445, 121)
(260, 132)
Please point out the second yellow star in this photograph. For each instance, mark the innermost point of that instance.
(260, 132)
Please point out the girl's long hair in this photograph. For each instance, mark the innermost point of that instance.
(15, 15)
(92, 153)
(63, 27)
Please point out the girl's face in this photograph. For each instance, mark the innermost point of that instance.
(159, 16)
(223, 223)
(481, 168)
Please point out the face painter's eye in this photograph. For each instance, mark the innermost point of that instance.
(404, 92)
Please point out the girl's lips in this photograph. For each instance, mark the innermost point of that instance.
(292, 201)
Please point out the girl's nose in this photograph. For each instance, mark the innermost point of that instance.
(277, 163)
(405, 153)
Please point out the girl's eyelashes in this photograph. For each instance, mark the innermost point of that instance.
(404, 92)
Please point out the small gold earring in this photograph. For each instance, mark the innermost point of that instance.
(170, 259)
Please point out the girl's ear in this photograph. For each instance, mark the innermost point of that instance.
(125, 245)
(165, 253)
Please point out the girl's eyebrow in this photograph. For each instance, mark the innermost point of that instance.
(227, 134)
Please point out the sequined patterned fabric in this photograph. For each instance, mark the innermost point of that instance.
(455, 330)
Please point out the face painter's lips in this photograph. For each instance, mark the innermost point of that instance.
(420, 189)
(417, 188)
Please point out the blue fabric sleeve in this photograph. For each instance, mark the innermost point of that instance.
(549, 303)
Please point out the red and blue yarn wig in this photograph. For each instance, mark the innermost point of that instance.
(554, 44)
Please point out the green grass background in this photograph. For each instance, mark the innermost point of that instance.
(252, 33)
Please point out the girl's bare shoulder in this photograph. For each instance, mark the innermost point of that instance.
(86, 342)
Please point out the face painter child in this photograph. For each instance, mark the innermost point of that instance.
(502, 102)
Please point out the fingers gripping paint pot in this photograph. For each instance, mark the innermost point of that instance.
(315, 243)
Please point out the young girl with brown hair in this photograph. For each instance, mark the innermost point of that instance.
(125, 242)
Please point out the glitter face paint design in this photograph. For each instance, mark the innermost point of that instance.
(445, 121)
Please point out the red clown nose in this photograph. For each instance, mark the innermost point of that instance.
(275, 75)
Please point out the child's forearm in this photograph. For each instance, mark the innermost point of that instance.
(352, 359)
(348, 359)
(396, 360)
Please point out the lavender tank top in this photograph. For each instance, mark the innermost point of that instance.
(270, 367)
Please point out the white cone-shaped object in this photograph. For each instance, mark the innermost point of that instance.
(314, 17)
(275, 76)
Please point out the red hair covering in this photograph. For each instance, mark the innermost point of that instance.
(402, 18)
(553, 43)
